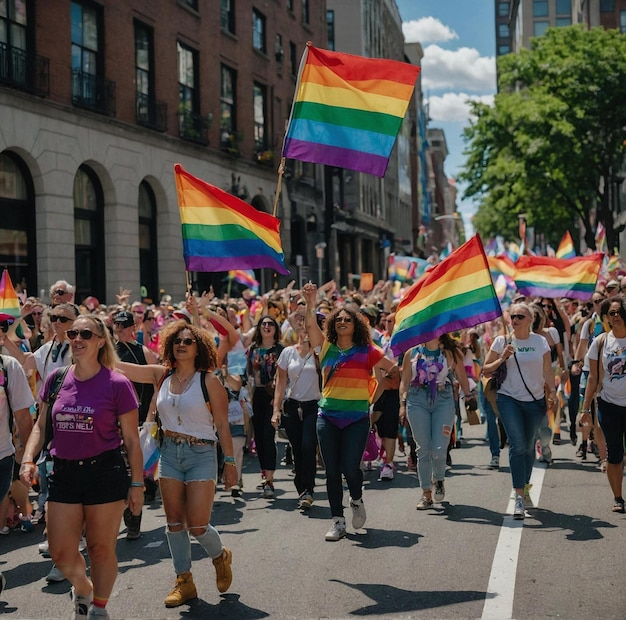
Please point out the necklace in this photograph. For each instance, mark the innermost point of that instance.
(176, 397)
(184, 379)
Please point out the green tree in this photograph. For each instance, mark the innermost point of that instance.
(554, 141)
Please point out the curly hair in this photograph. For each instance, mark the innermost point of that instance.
(206, 356)
(606, 305)
(362, 332)
(257, 338)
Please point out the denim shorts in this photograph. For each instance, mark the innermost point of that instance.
(180, 461)
(101, 479)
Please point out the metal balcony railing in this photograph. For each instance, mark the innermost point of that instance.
(151, 113)
(193, 127)
(93, 92)
(28, 72)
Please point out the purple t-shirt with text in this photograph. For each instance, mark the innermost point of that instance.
(85, 413)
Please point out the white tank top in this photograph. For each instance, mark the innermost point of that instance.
(185, 413)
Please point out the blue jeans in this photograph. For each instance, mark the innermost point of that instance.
(342, 449)
(521, 421)
(431, 422)
(492, 425)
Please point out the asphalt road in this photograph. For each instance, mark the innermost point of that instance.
(462, 559)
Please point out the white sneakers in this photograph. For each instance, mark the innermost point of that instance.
(337, 529)
(386, 473)
(358, 513)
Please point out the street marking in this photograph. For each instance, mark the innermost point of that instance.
(501, 589)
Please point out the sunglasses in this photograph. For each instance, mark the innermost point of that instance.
(150, 318)
(598, 301)
(186, 341)
(85, 334)
(266, 323)
(519, 317)
(614, 313)
(59, 291)
(4, 326)
(546, 306)
(37, 313)
(343, 319)
(63, 319)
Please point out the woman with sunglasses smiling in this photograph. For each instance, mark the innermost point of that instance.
(188, 461)
(89, 483)
(607, 382)
(261, 369)
(348, 359)
(521, 398)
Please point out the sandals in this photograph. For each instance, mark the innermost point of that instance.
(618, 505)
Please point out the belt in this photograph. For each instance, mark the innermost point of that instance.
(190, 440)
(441, 387)
(91, 460)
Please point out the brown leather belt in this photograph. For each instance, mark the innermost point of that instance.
(179, 438)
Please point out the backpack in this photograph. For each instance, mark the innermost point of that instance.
(4, 382)
(58, 377)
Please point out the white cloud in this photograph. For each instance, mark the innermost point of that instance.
(427, 30)
(453, 107)
(463, 68)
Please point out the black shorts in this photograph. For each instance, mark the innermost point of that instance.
(101, 479)
(389, 406)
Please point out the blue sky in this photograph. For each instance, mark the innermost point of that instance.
(458, 37)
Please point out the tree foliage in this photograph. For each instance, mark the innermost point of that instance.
(553, 143)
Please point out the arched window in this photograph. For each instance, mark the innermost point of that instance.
(89, 235)
(18, 245)
(148, 265)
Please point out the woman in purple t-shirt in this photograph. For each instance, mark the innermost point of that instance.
(89, 484)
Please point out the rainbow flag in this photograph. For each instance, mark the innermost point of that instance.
(566, 247)
(454, 294)
(221, 231)
(601, 238)
(347, 110)
(405, 268)
(245, 277)
(9, 301)
(558, 277)
(501, 265)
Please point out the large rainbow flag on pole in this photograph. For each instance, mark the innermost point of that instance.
(558, 277)
(9, 301)
(454, 294)
(348, 110)
(222, 232)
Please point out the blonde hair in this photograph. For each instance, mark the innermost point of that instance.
(107, 355)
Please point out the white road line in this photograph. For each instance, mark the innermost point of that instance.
(501, 588)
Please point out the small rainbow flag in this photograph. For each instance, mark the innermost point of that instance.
(455, 294)
(558, 277)
(405, 268)
(347, 110)
(245, 277)
(566, 247)
(501, 265)
(221, 231)
(9, 301)
(601, 237)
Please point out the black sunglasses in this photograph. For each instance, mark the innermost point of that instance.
(186, 341)
(614, 313)
(343, 319)
(4, 326)
(270, 323)
(59, 291)
(85, 334)
(55, 317)
(519, 317)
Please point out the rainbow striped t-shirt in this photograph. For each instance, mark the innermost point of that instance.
(346, 378)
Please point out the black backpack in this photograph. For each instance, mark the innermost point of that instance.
(4, 381)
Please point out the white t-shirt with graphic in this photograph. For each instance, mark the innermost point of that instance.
(613, 368)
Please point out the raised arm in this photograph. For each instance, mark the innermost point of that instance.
(316, 337)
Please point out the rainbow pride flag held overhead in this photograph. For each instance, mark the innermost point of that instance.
(454, 294)
(566, 247)
(348, 110)
(222, 232)
(558, 277)
(501, 265)
(9, 301)
(245, 277)
(403, 268)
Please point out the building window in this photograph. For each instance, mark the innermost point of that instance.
(148, 259)
(191, 125)
(13, 41)
(150, 112)
(18, 245)
(293, 58)
(228, 16)
(540, 8)
(279, 53)
(564, 7)
(88, 87)
(305, 11)
(330, 27)
(89, 234)
(539, 28)
(258, 31)
(228, 107)
(503, 31)
(504, 49)
(260, 118)
(192, 4)
(622, 21)
(563, 21)
(290, 5)
(503, 9)
(607, 6)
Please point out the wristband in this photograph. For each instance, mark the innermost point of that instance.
(28, 463)
(585, 411)
(229, 460)
(231, 464)
(136, 484)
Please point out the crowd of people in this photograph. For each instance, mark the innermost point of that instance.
(214, 378)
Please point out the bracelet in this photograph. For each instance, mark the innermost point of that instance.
(585, 411)
(136, 484)
(229, 459)
(229, 463)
